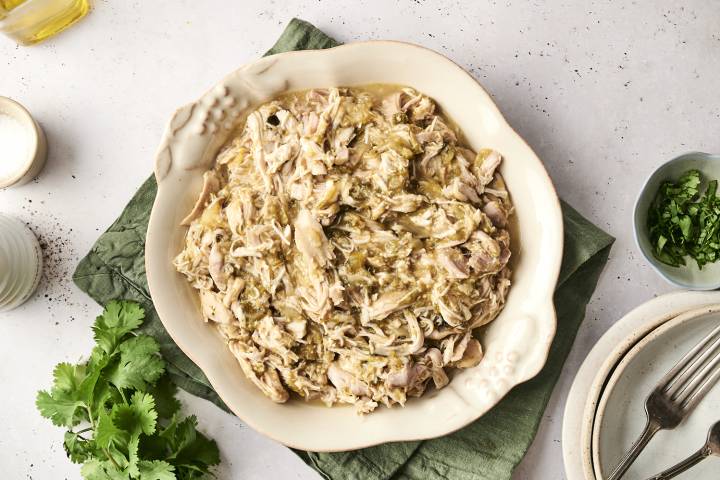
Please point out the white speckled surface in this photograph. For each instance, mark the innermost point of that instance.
(603, 92)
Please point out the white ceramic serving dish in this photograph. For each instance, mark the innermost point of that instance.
(688, 276)
(591, 378)
(620, 415)
(516, 344)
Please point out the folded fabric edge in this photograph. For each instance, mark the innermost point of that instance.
(577, 229)
(301, 35)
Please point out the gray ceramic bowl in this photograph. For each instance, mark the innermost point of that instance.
(688, 276)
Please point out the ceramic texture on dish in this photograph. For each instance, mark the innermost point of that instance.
(688, 276)
(516, 344)
(590, 379)
(37, 151)
(621, 414)
(21, 261)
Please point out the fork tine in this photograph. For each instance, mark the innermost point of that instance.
(687, 361)
(698, 377)
(689, 402)
(696, 366)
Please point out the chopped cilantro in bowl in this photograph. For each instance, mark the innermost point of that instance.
(684, 221)
(676, 221)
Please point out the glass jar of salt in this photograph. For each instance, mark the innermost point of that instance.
(22, 154)
(23, 148)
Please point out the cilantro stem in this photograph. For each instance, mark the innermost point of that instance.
(90, 416)
(110, 457)
(122, 394)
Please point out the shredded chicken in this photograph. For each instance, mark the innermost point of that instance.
(346, 245)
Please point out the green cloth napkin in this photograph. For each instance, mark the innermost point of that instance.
(487, 449)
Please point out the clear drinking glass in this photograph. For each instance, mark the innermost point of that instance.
(32, 21)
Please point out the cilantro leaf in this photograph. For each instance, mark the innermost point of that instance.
(70, 392)
(190, 448)
(108, 434)
(73, 387)
(68, 377)
(102, 394)
(60, 408)
(185, 434)
(139, 364)
(133, 457)
(201, 453)
(117, 320)
(99, 358)
(137, 417)
(164, 394)
(78, 448)
(156, 470)
(96, 469)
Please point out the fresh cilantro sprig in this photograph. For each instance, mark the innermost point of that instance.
(120, 409)
(683, 223)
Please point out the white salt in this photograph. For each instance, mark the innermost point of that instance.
(15, 142)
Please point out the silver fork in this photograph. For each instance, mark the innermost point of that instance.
(711, 447)
(677, 393)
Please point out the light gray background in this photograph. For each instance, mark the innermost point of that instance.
(603, 91)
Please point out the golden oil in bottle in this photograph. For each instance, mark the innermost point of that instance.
(32, 21)
(8, 5)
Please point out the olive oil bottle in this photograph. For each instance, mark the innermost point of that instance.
(32, 21)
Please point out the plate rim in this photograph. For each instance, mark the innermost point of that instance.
(588, 384)
(653, 335)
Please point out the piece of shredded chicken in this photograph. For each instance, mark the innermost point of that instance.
(346, 245)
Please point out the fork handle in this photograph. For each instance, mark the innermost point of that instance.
(686, 464)
(651, 428)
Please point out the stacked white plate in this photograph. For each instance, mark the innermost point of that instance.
(20, 263)
(605, 412)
